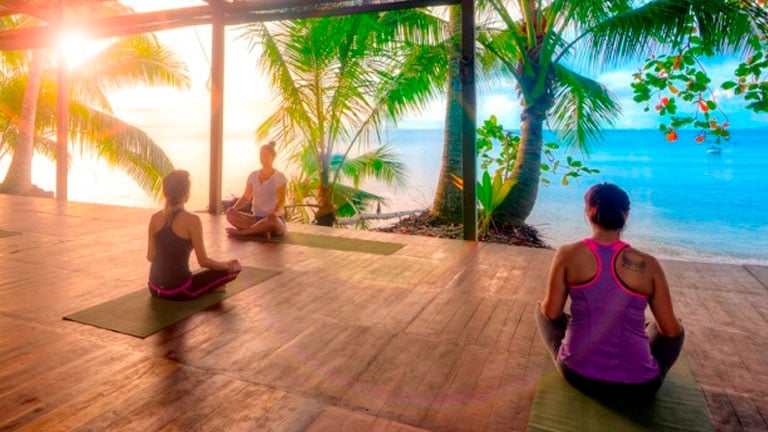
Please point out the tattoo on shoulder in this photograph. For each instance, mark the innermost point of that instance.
(633, 262)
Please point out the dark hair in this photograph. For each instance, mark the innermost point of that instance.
(175, 185)
(607, 206)
(271, 147)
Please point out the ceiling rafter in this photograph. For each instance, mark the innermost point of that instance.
(49, 11)
(228, 11)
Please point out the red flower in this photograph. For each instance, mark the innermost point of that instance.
(664, 101)
(672, 136)
(700, 139)
(703, 106)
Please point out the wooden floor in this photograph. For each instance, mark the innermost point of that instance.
(438, 336)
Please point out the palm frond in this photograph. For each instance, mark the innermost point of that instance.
(121, 145)
(582, 108)
(382, 164)
(584, 15)
(12, 89)
(722, 24)
(350, 201)
(291, 118)
(129, 61)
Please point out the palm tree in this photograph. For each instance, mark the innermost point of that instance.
(28, 120)
(18, 179)
(538, 43)
(339, 79)
(381, 164)
(448, 203)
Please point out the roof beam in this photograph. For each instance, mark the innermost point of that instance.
(302, 9)
(49, 10)
(231, 13)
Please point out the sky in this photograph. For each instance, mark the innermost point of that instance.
(247, 96)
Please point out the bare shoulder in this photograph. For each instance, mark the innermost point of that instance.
(157, 220)
(570, 254)
(190, 218)
(574, 247)
(639, 261)
(571, 250)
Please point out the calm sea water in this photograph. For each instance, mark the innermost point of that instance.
(686, 203)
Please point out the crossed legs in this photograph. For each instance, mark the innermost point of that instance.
(245, 224)
(663, 348)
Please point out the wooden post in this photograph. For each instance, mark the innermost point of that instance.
(62, 126)
(469, 102)
(217, 114)
(62, 116)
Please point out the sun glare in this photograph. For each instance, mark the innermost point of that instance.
(77, 47)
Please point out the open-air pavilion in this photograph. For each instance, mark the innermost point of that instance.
(56, 16)
(436, 336)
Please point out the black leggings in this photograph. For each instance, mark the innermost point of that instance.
(664, 349)
(201, 282)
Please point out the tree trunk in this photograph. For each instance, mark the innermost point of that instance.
(326, 213)
(517, 206)
(18, 179)
(448, 204)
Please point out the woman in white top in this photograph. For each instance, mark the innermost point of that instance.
(265, 189)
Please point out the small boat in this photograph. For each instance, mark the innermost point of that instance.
(714, 150)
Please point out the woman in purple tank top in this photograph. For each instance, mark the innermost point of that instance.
(173, 234)
(604, 346)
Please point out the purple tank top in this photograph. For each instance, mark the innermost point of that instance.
(605, 338)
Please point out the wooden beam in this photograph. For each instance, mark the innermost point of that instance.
(62, 128)
(314, 10)
(218, 43)
(469, 119)
(45, 36)
(233, 13)
(49, 11)
(62, 120)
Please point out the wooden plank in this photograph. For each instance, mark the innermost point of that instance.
(40, 393)
(334, 419)
(371, 390)
(91, 397)
(458, 392)
(439, 335)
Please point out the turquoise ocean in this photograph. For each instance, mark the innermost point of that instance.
(686, 203)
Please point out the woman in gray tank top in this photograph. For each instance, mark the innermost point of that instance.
(173, 234)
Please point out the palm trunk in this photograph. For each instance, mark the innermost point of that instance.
(448, 204)
(518, 205)
(326, 213)
(18, 179)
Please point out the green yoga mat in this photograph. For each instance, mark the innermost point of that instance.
(679, 406)
(140, 314)
(4, 233)
(332, 242)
